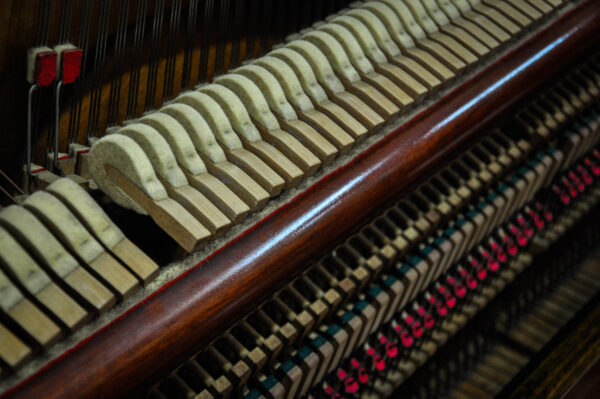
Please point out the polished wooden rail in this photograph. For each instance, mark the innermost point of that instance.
(186, 314)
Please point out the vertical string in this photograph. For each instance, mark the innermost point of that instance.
(223, 36)
(206, 38)
(138, 43)
(99, 60)
(266, 24)
(236, 28)
(174, 24)
(119, 55)
(189, 44)
(159, 7)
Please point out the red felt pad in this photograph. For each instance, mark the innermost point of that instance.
(71, 65)
(45, 68)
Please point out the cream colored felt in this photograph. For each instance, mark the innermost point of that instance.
(436, 63)
(364, 66)
(220, 126)
(191, 165)
(334, 87)
(21, 267)
(278, 103)
(234, 112)
(423, 29)
(405, 8)
(349, 76)
(168, 172)
(391, 49)
(475, 31)
(313, 89)
(13, 352)
(73, 235)
(213, 188)
(123, 153)
(378, 58)
(494, 15)
(123, 171)
(518, 10)
(450, 29)
(306, 111)
(32, 55)
(25, 314)
(258, 108)
(34, 236)
(82, 205)
(216, 161)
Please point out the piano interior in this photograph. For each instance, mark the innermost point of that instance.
(300, 199)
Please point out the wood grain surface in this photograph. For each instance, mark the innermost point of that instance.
(186, 314)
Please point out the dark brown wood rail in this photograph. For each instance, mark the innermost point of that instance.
(186, 314)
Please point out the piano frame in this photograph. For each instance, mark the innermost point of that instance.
(185, 315)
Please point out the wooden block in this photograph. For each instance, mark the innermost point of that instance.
(55, 259)
(167, 213)
(240, 183)
(99, 224)
(488, 25)
(37, 327)
(329, 129)
(97, 296)
(218, 122)
(359, 109)
(293, 149)
(533, 12)
(472, 44)
(344, 119)
(308, 136)
(510, 12)
(220, 195)
(22, 268)
(486, 39)
(65, 308)
(200, 207)
(13, 351)
(257, 170)
(67, 228)
(332, 85)
(281, 164)
(505, 23)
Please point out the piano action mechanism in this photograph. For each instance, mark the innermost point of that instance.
(323, 199)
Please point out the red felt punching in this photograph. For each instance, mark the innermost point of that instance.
(71, 65)
(45, 68)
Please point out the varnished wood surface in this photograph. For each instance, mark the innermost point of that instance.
(183, 316)
(558, 374)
